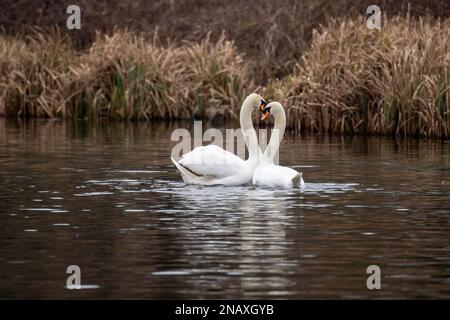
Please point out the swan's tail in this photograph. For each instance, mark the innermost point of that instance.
(185, 173)
(297, 181)
(190, 177)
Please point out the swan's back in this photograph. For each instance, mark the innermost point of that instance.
(277, 176)
(212, 160)
(211, 165)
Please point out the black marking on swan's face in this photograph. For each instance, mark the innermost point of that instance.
(262, 104)
(266, 109)
(266, 113)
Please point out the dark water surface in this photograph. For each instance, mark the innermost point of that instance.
(108, 199)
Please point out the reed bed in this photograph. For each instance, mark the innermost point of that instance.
(273, 34)
(121, 76)
(390, 81)
(351, 80)
(32, 74)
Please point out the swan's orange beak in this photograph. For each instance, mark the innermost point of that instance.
(265, 115)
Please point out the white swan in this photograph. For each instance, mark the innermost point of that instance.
(212, 165)
(267, 173)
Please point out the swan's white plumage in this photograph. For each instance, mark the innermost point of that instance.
(211, 165)
(213, 160)
(267, 173)
(271, 175)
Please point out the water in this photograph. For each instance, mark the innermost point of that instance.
(108, 199)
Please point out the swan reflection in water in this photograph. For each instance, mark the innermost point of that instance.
(241, 244)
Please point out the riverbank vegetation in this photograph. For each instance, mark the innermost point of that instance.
(121, 76)
(354, 80)
(344, 79)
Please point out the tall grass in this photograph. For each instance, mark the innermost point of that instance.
(355, 80)
(121, 76)
(273, 34)
(32, 74)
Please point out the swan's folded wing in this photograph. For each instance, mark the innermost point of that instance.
(212, 160)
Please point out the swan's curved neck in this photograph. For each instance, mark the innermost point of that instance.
(276, 136)
(248, 131)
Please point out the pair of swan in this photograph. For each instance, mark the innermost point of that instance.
(212, 165)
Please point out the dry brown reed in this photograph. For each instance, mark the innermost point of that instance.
(351, 79)
(390, 81)
(121, 76)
